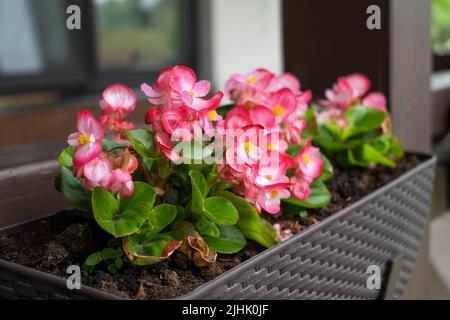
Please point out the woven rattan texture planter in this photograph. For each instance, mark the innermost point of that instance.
(327, 261)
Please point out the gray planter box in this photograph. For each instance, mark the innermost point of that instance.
(329, 260)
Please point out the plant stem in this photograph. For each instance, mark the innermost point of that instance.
(146, 173)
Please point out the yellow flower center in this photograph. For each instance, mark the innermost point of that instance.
(274, 194)
(251, 79)
(278, 110)
(250, 105)
(270, 147)
(212, 115)
(306, 158)
(249, 147)
(83, 139)
(192, 94)
(269, 177)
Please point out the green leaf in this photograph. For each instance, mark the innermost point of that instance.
(110, 253)
(330, 131)
(327, 172)
(93, 259)
(396, 149)
(371, 155)
(231, 240)
(65, 159)
(123, 216)
(108, 145)
(354, 159)
(143, 143)
(362, 119)
(75, 194)
(145, 249)
(319, 196)
(382, 144)
(192, 151)
(294, 149)
(207, 228)
(304, 214)
(112, 268)
(223, 110)
(216, 209)
(199, 190)
(250, 223)
(160, 217)
(118, 263)
(221, 211)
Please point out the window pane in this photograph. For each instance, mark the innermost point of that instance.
(441, 27)
(137, 34)
(34, 39)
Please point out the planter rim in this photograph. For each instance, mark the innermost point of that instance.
(57, 281)
(224, 277)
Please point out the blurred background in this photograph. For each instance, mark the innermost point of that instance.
(48, 72)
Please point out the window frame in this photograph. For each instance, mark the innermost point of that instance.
(87, 78)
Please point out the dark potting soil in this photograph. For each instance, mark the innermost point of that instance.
(54, 243)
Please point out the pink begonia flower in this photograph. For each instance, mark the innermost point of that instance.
(269, 198)
(126, 161)
(160, 95)
(283, 103)
(375, 100)
(166, 145)
(289, 81)
(178, 86)
(283, 234)
(300, 188)
(294, 131)
(309, 161)
(97, 173)
(240, 86)
(272, 140)
(331, 113)
(285, 81)
(118, 98)
(247, 148)
(115, 125)
(121, 181)
(87, 140)
(240, 116)
(359, 84)
(271, 175)
(347, 90)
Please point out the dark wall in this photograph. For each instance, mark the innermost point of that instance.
(327, 38)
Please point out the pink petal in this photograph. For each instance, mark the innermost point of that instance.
(121, 176)
(262, 116)
(187, 99)
(86, 153)
(72, 140)
(359, 84)
(202, 88)
(305, 97)
(300, 189)
(375, 100)
(182, 79)
(119, 96)
(163, 82)
(154, 97)
(127, 189)
(200, 104)
(163, 140)
(286, 80)
(103, 104)
(86, 123)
